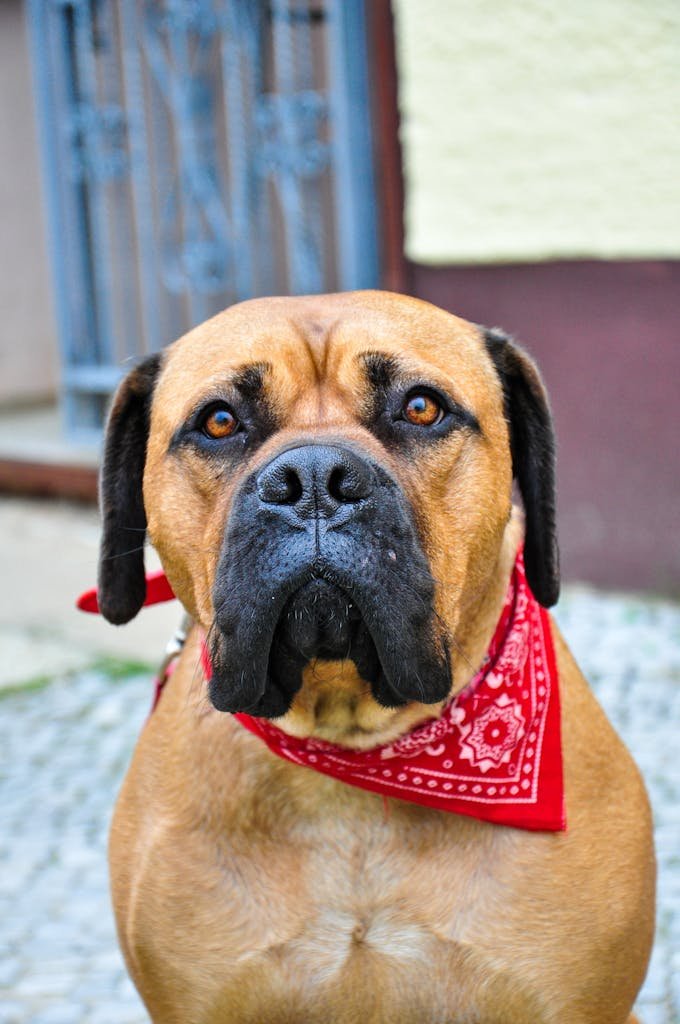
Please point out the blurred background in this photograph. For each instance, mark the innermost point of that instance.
(518, 164)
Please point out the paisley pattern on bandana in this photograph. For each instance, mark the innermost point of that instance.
(494, 753)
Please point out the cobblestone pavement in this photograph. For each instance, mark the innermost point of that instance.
(64, 749)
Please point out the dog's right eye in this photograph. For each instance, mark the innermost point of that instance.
(218, 422)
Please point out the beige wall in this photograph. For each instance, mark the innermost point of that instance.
(28, 346)
(540, 128)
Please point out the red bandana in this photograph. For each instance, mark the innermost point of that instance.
(158, 590)
(494, 753)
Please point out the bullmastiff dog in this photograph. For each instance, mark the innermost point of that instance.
(328, 481)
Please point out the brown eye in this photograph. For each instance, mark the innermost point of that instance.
(423, 410)
(220, 422)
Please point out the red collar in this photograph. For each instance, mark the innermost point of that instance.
(494, 753)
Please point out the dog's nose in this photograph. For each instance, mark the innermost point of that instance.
(315, 480)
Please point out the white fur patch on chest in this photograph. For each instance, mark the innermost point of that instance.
(334, 936)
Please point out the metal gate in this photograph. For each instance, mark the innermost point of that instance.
(196, 152)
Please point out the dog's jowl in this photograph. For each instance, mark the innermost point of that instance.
(376, 788)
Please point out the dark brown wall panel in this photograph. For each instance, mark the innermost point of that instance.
(607, 338)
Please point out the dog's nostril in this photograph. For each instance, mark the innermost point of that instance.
(336, 485)
(347, 483)
(293, 487)
(280, 485)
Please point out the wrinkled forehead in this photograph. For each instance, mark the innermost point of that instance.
(323, 341)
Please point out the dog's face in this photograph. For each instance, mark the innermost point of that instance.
(328, 479)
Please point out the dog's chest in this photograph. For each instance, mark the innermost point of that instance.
(352, 920)
(313, 902)
(332, 962)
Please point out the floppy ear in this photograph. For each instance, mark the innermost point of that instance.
(532, 443)
(122, 585)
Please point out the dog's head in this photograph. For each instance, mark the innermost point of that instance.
(328, 479)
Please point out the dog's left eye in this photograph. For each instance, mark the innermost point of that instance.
(422, 409)
(218, 422)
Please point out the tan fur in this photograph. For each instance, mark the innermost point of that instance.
(249, 890)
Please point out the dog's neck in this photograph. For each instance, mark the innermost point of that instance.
(335, 704)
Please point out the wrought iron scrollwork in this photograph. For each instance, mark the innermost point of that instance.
(196, 152)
